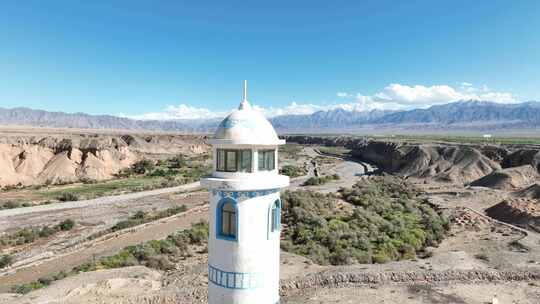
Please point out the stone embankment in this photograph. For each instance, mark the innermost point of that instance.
(332, 279)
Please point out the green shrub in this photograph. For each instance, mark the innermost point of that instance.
(293, 171)
(315, 181)
(178, 161)
(66, 225)
(68, 197)
(388, 222)
(142, 167)
(5, 260)
(10, 205)
(46, 231)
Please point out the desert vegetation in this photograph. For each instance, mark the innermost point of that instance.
(293, 171)
(32, 234)
(5, 260)
(141, 217)
(320, 180)
(157, 254)
(387, 222)
(290, 151)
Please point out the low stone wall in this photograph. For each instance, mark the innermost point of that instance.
(333, 279)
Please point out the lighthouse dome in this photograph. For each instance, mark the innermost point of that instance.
(246, 126)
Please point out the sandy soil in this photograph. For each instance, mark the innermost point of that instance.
(478, 293)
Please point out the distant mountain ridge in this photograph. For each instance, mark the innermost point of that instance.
(467, 112)
(40, 118)
(461, 114)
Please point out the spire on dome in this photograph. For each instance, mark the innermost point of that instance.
(244, 105)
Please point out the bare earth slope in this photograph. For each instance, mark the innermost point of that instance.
(39, 159)
(445, 163)
(521, 212)
(533, 191)
(440, 162)
(508, 179)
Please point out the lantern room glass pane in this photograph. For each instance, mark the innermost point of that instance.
(231, 160)
(245, 160)
(267, 160)
(220, 160)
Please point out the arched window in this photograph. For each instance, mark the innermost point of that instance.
(227, 220)
(275, 216)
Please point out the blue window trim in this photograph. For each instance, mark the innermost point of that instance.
(278, 219)
(219, 208)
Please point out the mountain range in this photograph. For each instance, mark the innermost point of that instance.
(476, 115)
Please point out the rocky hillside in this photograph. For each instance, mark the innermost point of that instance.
(55, 159)
(509, 178)
(521, 212)
(441, 162)
(446, 163)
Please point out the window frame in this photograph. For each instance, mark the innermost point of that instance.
(220, 233)
(222, 158)
(274, 218)
(264, 156)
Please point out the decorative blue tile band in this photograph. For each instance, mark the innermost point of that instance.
(242, 194)
(235, 280)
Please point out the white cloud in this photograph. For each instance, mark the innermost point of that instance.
(417, 95)
(181, 111)
(292, 109)
(392, 97)
(421, 96)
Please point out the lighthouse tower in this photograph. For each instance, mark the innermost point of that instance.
(243, 248)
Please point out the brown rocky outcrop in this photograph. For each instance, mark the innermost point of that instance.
(441, 162)
(521, 212)
(66, 158)
(508, 179)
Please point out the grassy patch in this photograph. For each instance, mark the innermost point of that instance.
(141, 217)
(290, 151)
(14, 204)
(30, 235)
(157, 254)
(320, 180)
(388, 222)
(293, 171)
(337, 150)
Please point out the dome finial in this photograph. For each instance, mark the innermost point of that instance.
(244, 105)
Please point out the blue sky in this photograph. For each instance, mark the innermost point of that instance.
(167, 59)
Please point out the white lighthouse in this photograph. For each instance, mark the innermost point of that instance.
(243, 249)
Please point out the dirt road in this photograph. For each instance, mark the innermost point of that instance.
(350, 171)
(97, 201)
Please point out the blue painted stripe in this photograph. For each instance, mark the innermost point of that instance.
(235, 280)
(242, 194)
